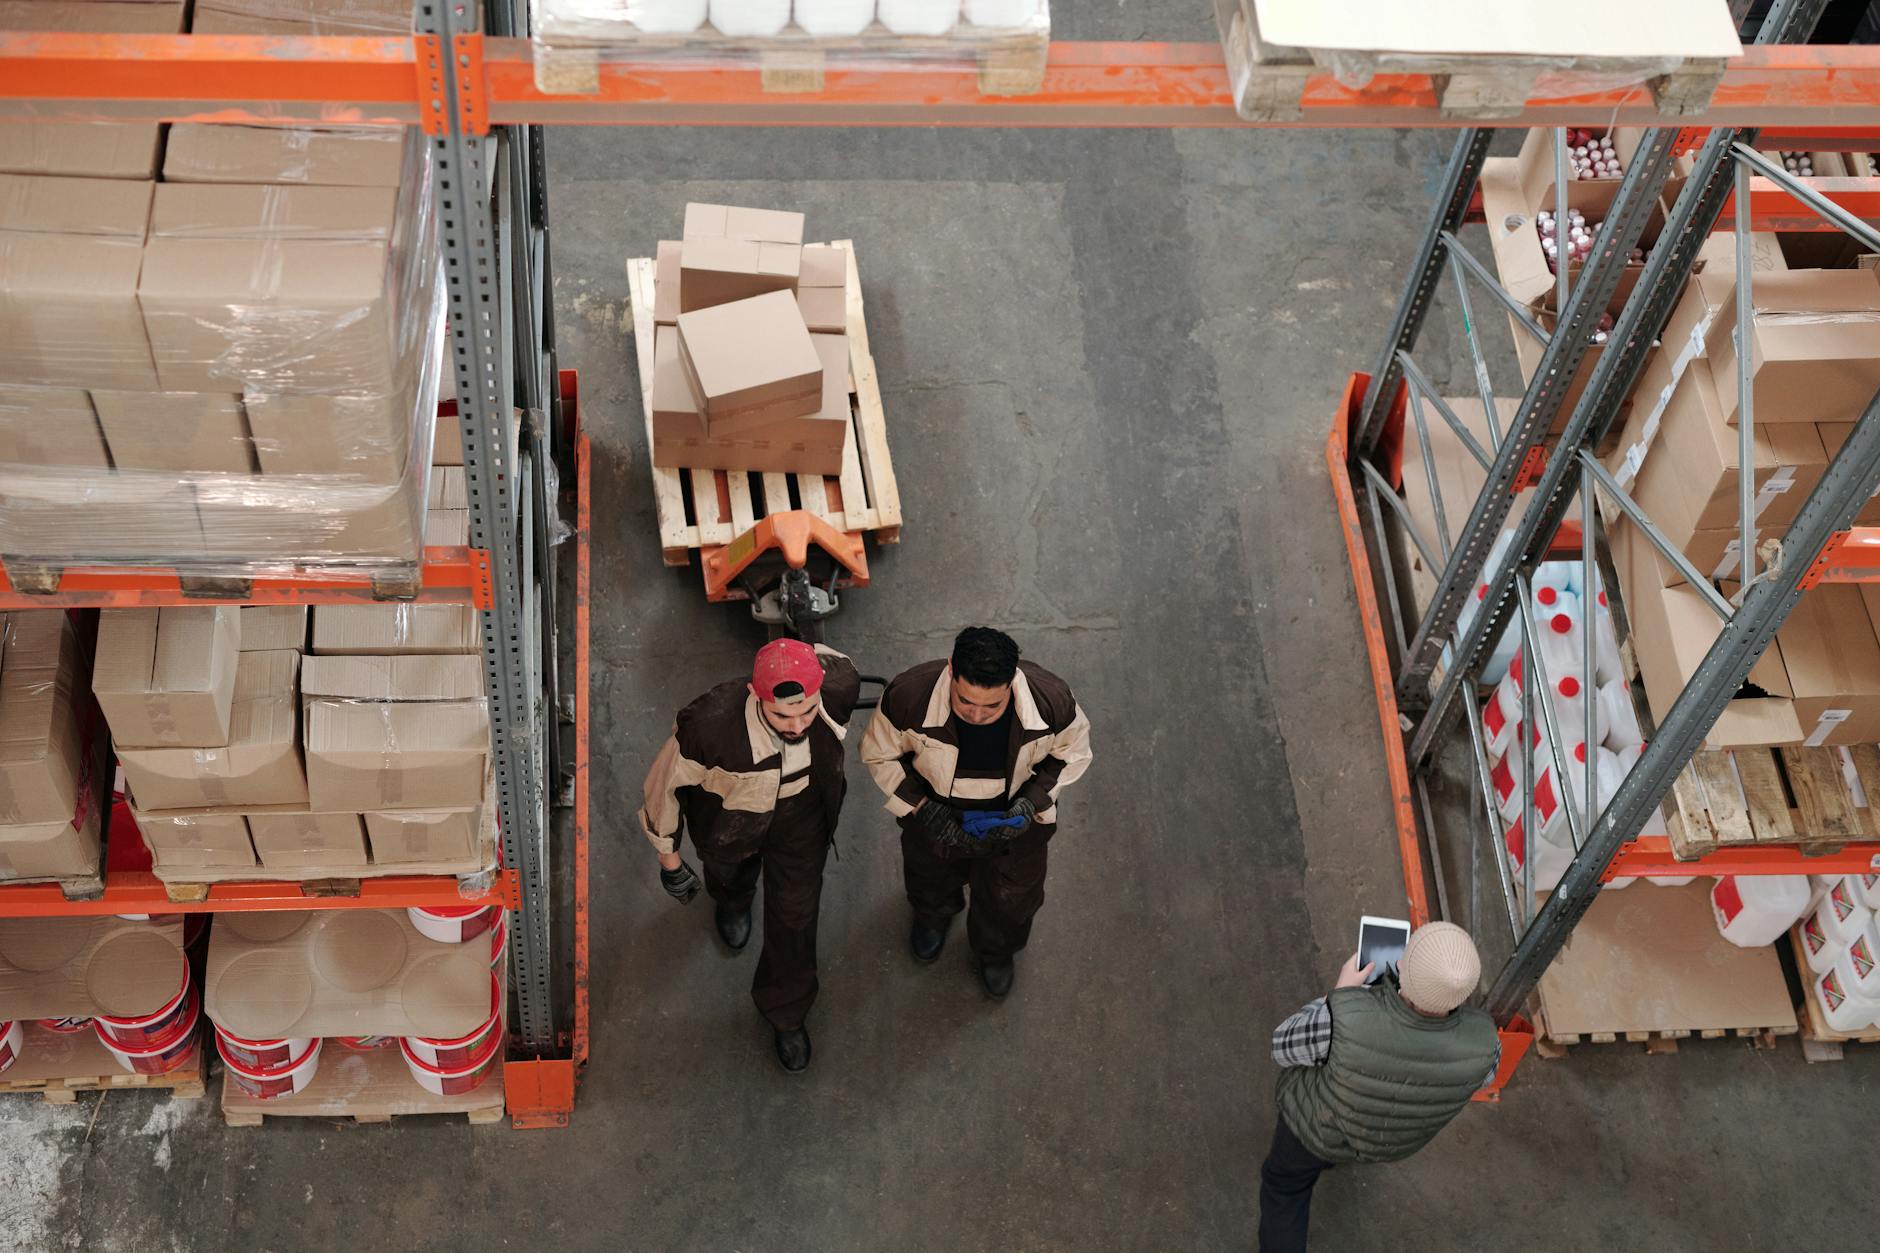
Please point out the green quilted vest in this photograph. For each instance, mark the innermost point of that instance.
(1392, 1081)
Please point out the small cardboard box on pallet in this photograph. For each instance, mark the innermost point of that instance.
(166, 677)
(318, 156)
(81, 967)
(811, 444)
(1833, 661)
(1816, 346)
(750, 363)
(259, 766)
(730, 254)
(666, 283)
(414, 836)
(364, 438)
(334, 842)
(42, 746)
(292, 973)
(1833, 435)
(71, 250)
(50, 426)
(196, 841)
(395, 732)
(268, 627)
(179, 432)
(822, 292)
(394, 630)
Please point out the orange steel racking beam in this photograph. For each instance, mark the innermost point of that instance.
(233, 78)
(141, 892)
(449, 575)
(1650, 857)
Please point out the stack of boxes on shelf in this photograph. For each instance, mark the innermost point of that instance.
(751, 358)
(52, 772)
(249, 751)
(1839, 940)
(220, 352)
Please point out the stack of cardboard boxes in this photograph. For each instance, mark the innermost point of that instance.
(751, 355)
(252, 746)
(51, 769)
(230, 369)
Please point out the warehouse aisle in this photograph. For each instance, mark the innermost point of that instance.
(1107, 361)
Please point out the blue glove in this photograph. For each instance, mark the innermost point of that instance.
(980, 823)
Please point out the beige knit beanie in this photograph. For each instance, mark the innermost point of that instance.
(1439, 968)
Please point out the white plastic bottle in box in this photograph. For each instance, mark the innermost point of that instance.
(1839, 914)
(825, 18)
(1570, 709)
(750, 19)
(1620, 716)
(668, 17)
(1843, 1007)
(1820, 949)
(1002, 14)
(1606, 642)
(1866, 888)
(1550, 859)
(1863, 961)
(1754, 910)
(919, 17)
(1552, 578)
(1559, 642)
(1501, 714)
(1505, 775)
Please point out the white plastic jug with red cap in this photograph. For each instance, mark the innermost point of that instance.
(1498, 658)
(1501, 712)
(1620, 716)
(1819, 949)
(1754, 910)
(1559, 644)
(1551, 858)
(1843, 1007)
(1839, 912)
(1605, 642)
(1570, 709)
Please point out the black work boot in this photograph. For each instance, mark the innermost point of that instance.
(793, 1050)
(996, 978)
(926, 942)
(734, 926)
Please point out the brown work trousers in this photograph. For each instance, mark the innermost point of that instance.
(790, 863)
(1007, 888)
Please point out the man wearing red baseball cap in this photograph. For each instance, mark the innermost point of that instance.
(754, 772)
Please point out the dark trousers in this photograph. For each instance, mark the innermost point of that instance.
(1286, 1179)
(1008, 891)
(790, 863)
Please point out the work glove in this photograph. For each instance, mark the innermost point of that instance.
(681, 884)
(981, 823)
(937, 822)
(1019, 817)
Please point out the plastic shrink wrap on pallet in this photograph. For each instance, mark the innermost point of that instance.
(1006, 40)
(228, 378)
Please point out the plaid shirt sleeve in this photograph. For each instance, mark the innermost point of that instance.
(1493, 1066)
(1305, 1039)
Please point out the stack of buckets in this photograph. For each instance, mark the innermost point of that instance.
(1841, 942)
(265, 1069)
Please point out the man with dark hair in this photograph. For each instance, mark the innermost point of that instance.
(755, 772)
(972, 753)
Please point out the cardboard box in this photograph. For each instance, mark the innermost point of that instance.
(178, 432)
(50, 426)
(666, 283)
(309, 841)
(328, 157)
(275, 520)
(70, 253)
(447, 528)
(166, 677)
(715, 271)
(822, 291)
(365, 437)
(42, 735)
(416, 836)
(1833, 435)
(1816, 355)
(1514, 190)
(1833, 663)
(395, 630)
(238, 280)
(284, 974)
(1678, 459)
(140, 518)
(812, 444)
(447, 437)
(97, 17)
(269, 627)
(750, 363)
(53, 850)
(80, 967)
(261, 764)
(395, 732)
(1528, 352)
(775, 226)
(448, 489)
(80, 149)
(197, 841)
(326, 17)
(1672, 629)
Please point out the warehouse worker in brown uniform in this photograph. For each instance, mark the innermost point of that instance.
(973, 752)
(754, 772)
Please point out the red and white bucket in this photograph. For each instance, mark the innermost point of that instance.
(162, 1055)
(499, 945)
(453, 924)
(456, 1080)
(12, 1039)
(366, 1043)
(139, 1033)
(257, 1054)
(65, 1026)
(450, 1053)
(266, 1082)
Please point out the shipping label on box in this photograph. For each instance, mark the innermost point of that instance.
(309, 841)
(82, 967)
(266, 628)
(166, 677)
(43, 751)
(196, 841)
(395, 732)
(261, 763)
(283, 974)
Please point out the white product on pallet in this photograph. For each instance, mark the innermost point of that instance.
(1844, 1008)
(750, 19)
(1570, 709)
(1501, 714)
(1559, 645)
(1505, 777)
(1553, 579)
(1863, 961)
(1839, 914)
(669, 17)
(1551, 859)
(920, 17)
(1002, 14)
(1754, 910)
(835, 17)
(1819, 949)
(1622, 731)
(1866, 888)
(1508, 646)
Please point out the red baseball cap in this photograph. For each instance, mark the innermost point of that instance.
(787, 664)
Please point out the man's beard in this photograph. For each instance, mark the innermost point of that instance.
(798, 738)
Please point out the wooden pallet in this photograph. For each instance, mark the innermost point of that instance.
(368, 1087)
(37, 578)
(710, 508)
(1820, 1042)
(1792, 796)
(59, 1066)
(1658, 1043)
(79, 888)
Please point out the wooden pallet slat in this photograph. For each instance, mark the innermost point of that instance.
(1866, 759)
(58, 1066)
(1768, 805)
(1692, 835)
(363, 1087)
(1828, 814)
(1723, 795)
(877, 469)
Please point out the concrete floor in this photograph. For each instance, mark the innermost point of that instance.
(1108, 362)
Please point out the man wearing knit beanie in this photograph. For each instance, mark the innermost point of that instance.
(1373, 1071)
